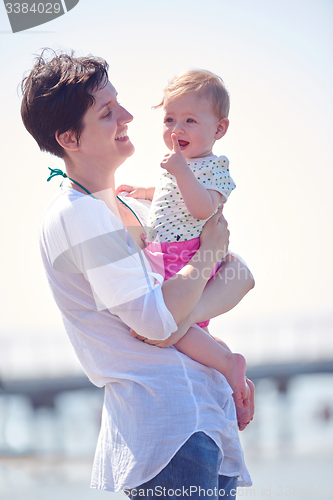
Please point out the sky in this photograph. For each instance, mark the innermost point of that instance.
(275, 57)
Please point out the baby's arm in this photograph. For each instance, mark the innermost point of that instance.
(138, 192)
(200, 202)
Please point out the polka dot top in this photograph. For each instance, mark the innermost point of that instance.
(169, 219)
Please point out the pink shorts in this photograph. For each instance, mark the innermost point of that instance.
(169, 258)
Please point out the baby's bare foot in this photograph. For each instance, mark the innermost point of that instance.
(245, 415)
(235, 375)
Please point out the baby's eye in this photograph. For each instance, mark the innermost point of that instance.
(107, 114)
(190, 120)
(168, 120)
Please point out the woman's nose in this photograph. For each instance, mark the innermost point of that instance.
(125, 116)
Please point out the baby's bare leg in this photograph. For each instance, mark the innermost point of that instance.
(223, 292)
(201, 347)
(230, 284)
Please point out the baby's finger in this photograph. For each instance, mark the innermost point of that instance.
(175, 143)
(164, 162)
(124, 187)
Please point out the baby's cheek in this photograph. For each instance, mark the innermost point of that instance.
(167, 139)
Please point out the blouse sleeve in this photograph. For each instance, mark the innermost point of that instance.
(88, 238)
(215, 175)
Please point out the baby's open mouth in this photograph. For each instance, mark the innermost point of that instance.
(182, 144)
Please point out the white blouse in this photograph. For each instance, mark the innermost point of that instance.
(155, 399)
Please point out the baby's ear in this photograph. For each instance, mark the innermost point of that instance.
(222, 128)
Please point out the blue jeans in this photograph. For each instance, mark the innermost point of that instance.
(191, 473)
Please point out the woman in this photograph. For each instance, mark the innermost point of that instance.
(168, 422)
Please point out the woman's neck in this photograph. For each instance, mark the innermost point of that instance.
(101, 184)
(93, 177)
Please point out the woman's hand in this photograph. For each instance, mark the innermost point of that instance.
(215, 234)
(173, 339)
(136, 335)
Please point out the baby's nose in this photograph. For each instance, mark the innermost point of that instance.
(178, 128)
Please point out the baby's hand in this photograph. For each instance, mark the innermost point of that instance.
(137, 192)
(174, 162)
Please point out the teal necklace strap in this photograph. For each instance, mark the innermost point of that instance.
(57, 171)
(122, 201)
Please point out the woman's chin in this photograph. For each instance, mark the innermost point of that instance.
(130, 151)
(131, 148)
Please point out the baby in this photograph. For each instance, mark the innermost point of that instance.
(195, 183)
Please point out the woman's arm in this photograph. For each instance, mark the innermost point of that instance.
(225, 290)
(92, 242)
(222, 293)
(182, 292)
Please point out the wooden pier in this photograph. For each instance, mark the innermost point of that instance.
(43, 391)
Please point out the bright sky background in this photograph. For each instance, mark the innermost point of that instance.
(276, 59)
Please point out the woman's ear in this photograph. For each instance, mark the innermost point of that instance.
(222, 128)
(67, 141)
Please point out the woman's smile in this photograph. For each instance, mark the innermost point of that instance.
(123, 136)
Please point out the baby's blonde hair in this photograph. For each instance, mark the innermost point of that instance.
(205, 84)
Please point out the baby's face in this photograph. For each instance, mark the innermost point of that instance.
(197, 128)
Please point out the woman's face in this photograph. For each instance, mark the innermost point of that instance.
(104, 138)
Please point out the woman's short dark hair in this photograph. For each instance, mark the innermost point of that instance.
(57, 93)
